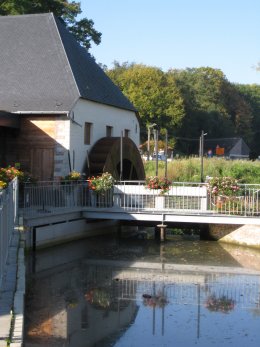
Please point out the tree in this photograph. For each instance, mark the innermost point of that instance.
(66, 11)
(240, 112)
(212, 104)
(251, 94)
(155, 96)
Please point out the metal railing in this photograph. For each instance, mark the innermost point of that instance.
(182, 197)
(8, 217)
(179, 286)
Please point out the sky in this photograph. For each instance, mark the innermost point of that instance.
(179, 34)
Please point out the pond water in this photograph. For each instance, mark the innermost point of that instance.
(108, 291)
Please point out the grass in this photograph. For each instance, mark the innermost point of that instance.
(189, 169)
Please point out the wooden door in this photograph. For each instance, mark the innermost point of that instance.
(42, 163)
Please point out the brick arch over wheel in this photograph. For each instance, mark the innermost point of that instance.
(105, 157)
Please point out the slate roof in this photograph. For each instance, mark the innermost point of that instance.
(43, 68)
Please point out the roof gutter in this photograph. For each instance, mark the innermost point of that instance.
(42, 112)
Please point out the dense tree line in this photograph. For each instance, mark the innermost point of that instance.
(185, 102)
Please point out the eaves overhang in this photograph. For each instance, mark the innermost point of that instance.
(9, 120)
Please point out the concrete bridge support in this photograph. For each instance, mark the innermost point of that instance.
(160, 232)
(244, 235)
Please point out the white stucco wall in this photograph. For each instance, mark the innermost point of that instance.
(100, 116)
(62, 150)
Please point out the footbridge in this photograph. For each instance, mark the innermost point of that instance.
(185, 202)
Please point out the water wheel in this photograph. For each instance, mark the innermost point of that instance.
(105, 157)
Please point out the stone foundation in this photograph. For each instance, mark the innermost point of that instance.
(218, 231)
(244, 235)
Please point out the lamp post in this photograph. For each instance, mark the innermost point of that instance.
(156, 150)
(148, 140)
(166, 153)
(202, 155)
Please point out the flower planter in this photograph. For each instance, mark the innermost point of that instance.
(159, 202)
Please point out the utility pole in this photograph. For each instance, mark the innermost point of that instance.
(121, 156)
(202, 155)
(148, 139)
(156, 151)
(166, 153)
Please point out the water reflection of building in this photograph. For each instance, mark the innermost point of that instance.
(70, 303)
(94, 300)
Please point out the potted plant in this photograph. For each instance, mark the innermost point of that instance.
(101, 188)
(9, 173)
(73, 176)
(161, 184)
(222, 189)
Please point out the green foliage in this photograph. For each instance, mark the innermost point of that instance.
(251, 94)
(188, 170)
(152, 92)
(202, 88)
(63, 9)
(187, 101)
(212, 104)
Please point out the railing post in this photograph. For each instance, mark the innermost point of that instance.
(8, 218)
